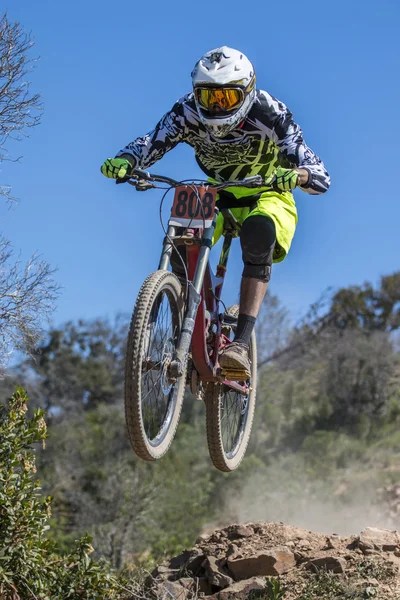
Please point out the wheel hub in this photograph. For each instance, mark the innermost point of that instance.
(167, 353)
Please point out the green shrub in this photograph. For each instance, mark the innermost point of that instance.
(328, 586)
(30, 566)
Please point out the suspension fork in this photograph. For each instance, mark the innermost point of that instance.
(193, 301)
(165, 257)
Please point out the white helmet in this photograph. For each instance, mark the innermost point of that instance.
(224, 89)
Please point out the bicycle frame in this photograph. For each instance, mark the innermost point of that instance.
(204, 288)
(202, 305)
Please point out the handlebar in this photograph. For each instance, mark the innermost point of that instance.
(142, 180)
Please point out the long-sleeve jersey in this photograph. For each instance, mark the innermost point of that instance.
(267, 138)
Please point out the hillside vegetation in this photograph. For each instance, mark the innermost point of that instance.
(324, 452)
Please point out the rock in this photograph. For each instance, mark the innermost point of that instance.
(372, 582)
(328, 563)
(171, 590)
(196, 585)
(243, 531)
(204, 586)
(233, 551)
(215, 573)
(300, 557)
(215, 537)
(189, 557)
(304, 545)
(240, 590)
(239, 531)
(163, 572)
(393, 561)
(265, 563)
(372, 538)
(203, 537)
(332, 542)
(194, 562)
(188, 582)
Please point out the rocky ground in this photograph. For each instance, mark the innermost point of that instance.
(280, 562)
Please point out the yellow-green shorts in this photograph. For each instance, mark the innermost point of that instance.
(280, 207)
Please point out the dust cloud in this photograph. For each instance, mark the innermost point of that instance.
(307, 505)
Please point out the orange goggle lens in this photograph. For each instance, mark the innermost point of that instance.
(224, 98)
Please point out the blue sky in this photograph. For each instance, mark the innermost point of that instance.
(108, 72)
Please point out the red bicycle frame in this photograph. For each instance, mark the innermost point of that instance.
(202, 305)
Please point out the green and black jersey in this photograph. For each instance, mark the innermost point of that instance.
(266, 139)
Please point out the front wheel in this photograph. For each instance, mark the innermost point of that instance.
(230, 414)
(153, 400)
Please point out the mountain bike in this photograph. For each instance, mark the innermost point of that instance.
(179, 327)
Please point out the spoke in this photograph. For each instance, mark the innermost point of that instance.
(231, 420)
(151, 389)
(161, 331)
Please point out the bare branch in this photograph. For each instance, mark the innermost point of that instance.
(307, 329)
(27, 297)
(20, 110)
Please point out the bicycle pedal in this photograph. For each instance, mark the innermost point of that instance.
(236, 374)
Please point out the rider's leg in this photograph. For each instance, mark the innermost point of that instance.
(252, 292)
(257, 238)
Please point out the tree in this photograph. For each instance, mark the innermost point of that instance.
(357, 380)
(368, 308)
(80, 365)
(19, 109)
(27, 295)
(30, 565)
(272, 328)
(27, 292)
(338, 367)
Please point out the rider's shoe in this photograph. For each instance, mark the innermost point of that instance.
(235, 362)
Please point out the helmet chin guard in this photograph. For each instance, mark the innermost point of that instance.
(220, 72)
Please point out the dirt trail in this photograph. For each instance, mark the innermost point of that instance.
(281, 562)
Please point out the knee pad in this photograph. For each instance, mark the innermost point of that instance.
(257, 239)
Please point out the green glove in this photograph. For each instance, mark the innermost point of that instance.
(116, 168)
(283, 179)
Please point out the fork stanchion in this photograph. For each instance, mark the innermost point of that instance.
(167, 249)
(206, 244)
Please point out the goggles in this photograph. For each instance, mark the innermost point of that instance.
(219, 99)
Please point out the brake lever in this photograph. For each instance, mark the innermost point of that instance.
(141, 185)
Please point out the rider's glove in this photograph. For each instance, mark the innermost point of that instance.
(116, 168)
(283, 179)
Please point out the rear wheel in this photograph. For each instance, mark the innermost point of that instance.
(229, 413)
(153, 401)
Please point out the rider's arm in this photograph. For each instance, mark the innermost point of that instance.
(169, 131)
(314, 178)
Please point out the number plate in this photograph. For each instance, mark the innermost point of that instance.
(193, 206)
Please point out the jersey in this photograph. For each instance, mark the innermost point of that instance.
(266, 139)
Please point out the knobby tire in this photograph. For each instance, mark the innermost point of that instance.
(214, 398)
(158, 285)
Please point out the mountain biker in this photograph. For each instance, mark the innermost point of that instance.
(238, 131)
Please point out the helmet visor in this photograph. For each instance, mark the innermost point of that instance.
(219, 100)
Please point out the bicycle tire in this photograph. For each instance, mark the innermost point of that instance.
(158, 285)
(222, 459)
